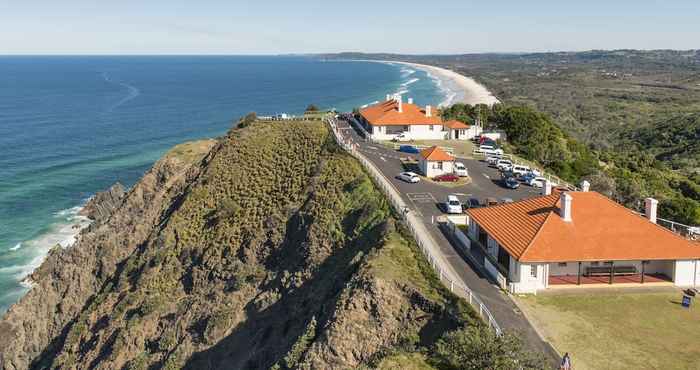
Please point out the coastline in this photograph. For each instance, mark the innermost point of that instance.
(458, 88)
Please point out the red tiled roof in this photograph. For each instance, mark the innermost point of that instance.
(454, 124)
(436, 154)
(387, 114)
(601, 230)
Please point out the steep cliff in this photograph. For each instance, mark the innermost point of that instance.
(270, 248)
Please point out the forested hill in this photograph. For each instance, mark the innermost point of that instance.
(269, 248)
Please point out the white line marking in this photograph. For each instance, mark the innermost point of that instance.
(382, 158)
(486, 176)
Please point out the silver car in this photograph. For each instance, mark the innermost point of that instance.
(411, 177)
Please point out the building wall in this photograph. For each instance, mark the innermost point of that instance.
(430, 168)
(427, 132)
(521, 279)
(571, 268)
(685, 273)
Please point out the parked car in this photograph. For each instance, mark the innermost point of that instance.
(447, 177)
(519, 169)
(507, 175)
(492, 160)
(473, 203)
(490, 150)
(511, 183)
(527, 177)
(504, 165)
(537, 182)
(506, 200)
(453, 205)
(410, 177)
(408, 149)
(460, 170)
(404, 136)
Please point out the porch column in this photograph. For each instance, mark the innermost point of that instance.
(612, 271)
(643, 263)
(578, 277)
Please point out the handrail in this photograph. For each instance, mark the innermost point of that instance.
(418, 230)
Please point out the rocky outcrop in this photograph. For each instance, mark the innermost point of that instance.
(274, 250)
(69, 278)
(104, 203)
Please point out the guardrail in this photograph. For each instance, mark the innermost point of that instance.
(427, 245)
(687, 231)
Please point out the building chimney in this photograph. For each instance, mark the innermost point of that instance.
(650, 205)
(388, 97)
(585, 185)
(410, 100)
(547, 188)
(565, 207)
(428, 111)
(399, 100)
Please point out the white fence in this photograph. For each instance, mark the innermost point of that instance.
(417, 228)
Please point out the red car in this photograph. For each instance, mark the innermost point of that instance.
(448, 177)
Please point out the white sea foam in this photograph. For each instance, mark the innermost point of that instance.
(132, 91)
(410, 82)
(63, 232)
(405, 72)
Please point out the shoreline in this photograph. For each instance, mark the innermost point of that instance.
(458, 88)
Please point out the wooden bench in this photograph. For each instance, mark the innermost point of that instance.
(605, 270)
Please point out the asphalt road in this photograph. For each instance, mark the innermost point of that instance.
(425, 199)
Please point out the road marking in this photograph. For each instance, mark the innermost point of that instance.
(486, 176)
(382, 158)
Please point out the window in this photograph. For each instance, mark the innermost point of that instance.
(562, 264)
(595, 263)
(608, 263)
(432, 127)
(533, 271)
(438, 165)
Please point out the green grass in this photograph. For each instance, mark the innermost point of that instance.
(192, 151)
(612, 330)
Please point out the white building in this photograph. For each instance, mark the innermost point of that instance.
(568, 239)
(434, 161)
(386, 120)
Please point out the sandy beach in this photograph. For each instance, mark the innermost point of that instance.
(458, 88)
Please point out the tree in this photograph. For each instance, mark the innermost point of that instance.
(247, 120)
(312, 108)
(479, 348)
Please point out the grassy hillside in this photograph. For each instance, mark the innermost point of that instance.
(280, 254)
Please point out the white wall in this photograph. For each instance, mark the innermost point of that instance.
(493, 271)
(430, 168)
(522, 280)
(685, 273)
(474, 229)
(424, 132)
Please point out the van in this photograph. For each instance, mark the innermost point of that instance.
(490, 150)
(520, 169)
(504, 165)
(492, 160)
(460, 169)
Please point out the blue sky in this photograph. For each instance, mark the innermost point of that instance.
(312, 26)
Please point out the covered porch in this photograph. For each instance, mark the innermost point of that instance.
(565, 274)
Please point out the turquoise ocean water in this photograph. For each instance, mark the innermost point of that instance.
(72, 126)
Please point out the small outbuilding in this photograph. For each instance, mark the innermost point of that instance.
(434, 162)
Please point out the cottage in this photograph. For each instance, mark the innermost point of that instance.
(386, 120)
(568, 238)
(434, 161)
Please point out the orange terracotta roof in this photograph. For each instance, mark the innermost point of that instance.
(436, 154)
(387, 114)
(454, 124)
(601, 230)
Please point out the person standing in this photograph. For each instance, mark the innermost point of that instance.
(566, 362)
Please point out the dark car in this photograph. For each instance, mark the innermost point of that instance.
(490, 202)
(511, 183)
(408, 149)
(473, 203)
(448, 177)
(507, 175)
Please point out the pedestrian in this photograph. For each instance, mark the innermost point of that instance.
(566, 362)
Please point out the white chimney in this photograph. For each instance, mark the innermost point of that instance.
(428, 111)
(565, 207)
(547, 188)
(650, 205)
(410, 100)
(388, 97)
(400, 101)
(585, 185)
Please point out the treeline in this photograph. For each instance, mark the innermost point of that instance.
(626, 174)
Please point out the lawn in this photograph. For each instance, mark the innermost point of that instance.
(619, 330)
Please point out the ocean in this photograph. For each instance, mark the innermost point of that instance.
(72, 126)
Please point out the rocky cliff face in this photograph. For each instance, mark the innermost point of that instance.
(268, 249)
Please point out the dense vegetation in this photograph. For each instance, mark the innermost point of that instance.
(281, 254)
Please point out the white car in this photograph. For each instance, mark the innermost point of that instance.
(537, 182)
(504, 165)
(520, 169)
(490, 150)
(492, 161)
(410, 177)
(453, 205)
(402, 137)
(460, 170)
